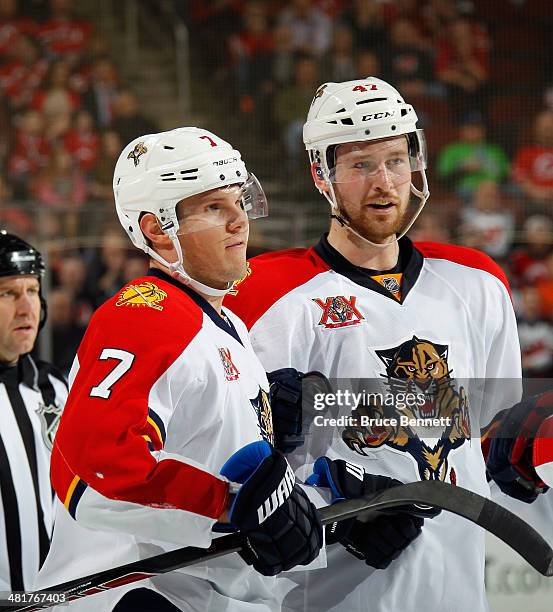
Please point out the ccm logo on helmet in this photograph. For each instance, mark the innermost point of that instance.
(224, 162)
(278, 496)
(381, 115)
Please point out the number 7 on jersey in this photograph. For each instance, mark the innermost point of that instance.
(125, 359)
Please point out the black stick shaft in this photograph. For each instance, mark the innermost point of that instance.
(487, 514)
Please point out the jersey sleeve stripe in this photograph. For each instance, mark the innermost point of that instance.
(157, 424)
(74, 494)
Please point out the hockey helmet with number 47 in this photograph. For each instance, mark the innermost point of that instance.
(359, 111)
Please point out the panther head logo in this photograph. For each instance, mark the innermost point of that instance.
(417, 360)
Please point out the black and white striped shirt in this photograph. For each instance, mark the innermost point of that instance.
(32, 395)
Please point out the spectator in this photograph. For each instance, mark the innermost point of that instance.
(30, 152)
(283, 55)
(535, 335)
(61, 187)
(129, 122)
(106, 271)
(134, 267)
(62, 34)
(486, 224)
(472, 159)
(438, 15)
(11, 25)
(368, 64)
(101, 95)
(533, 165)
(66, 332)
(310, 28)
(57, 101)
(527, 263)
(252, 52)
(71, 277)
(290, 105)
(101, 183)
(23, 72)
(430, 227)
(462, 64)
(545, 289)
(340, 60)
(366, 21)
(409, 64)
(82, 141)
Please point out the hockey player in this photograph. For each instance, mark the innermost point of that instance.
(168, 403)
(365, 302)
(32, 395)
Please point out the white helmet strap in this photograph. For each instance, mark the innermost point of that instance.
(177, 266)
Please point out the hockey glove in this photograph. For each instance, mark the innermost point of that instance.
(288, 390)
(381, 540)
(522, 443)
(280, 525)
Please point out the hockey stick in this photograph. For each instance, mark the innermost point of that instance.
(475, 508)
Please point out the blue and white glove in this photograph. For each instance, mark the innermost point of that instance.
(281, 526)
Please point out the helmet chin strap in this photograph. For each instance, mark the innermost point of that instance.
(177, 268)
(337, 214)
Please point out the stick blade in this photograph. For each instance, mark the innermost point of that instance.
(492, 517)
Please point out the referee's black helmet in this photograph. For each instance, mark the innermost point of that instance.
(18, 257)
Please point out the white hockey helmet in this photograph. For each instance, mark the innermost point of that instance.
(357, 111)
(156, 171)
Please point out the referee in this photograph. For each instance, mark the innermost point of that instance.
(32, 394)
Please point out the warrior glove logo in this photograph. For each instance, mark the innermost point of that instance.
(278, 496)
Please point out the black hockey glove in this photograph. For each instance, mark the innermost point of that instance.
(288, 391)
(280, 524)
(519, 444)
(381, 540)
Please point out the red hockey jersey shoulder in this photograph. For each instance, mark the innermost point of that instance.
(464, 256)
(145, 310)
(270, 277)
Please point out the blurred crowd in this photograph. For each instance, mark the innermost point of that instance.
(479, 75)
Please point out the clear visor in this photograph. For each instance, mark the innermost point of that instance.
(223, 207)
(390, 160)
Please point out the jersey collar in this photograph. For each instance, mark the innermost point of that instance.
(409, 263)
(222, 322)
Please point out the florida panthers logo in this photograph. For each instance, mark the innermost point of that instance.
(49, 421)
(417, 366)
(264, 414)
(135, 154)
(339, 311)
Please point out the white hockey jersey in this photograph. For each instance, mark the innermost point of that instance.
(163, 391)
(445, 316)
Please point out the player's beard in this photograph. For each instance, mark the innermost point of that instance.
(370, 227)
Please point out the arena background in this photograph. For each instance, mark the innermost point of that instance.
(78, 80)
